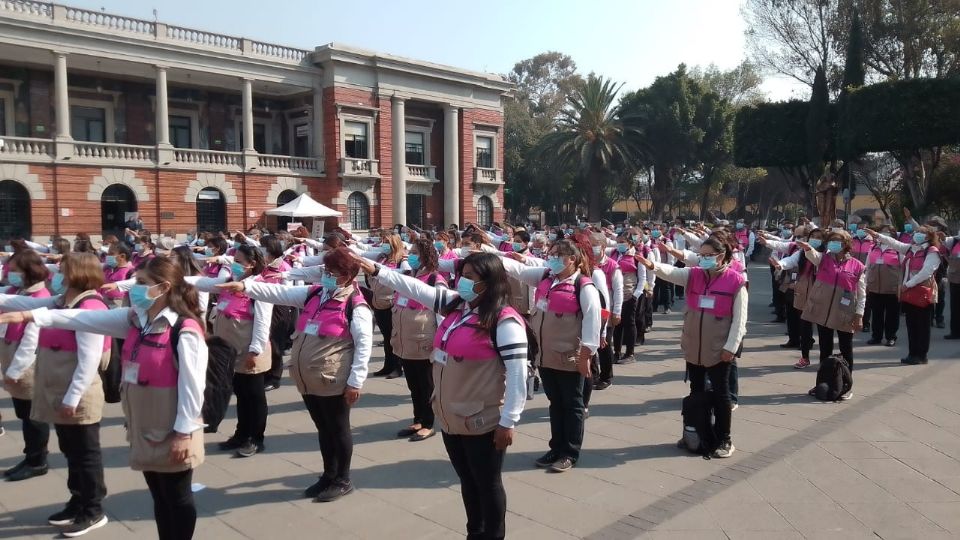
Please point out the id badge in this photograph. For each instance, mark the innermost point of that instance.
(707, 302)
(312, 328)
(542, 304)
(439, 357)
(131, 373)
(222, 306)
(402, 301)
(846, 299)
(793, 276)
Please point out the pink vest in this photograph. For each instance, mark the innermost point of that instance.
(275, 275)
(562, 298)
(66, 340)
(449, 255)
(468, 341)
(212, 270)
(15, 331)
(906, 238)
(628, 265)
(914, 259)
(236, 306)
(155, 355)
(722, 288)
(878, 255)
(861, 246)
(413, 304)
(506, 247)
(737, 265)
(608, 267)
(139, 259)
(113, 275)
(845, 275)
(330, 316)
(743, 236)
(955, 252)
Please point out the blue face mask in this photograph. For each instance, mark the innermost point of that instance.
(201, 242)
(57, 284)
(329, 282)
(111, 261)
(519, 246)
(834, 246)
(622, 248)
(919, 238)
(815, 243)
(15, 279)
(385, 249)
(739, 226)
(439, 245)
(852, 227)
(619, 230)
(405, 237)
(413, 260)
(908, 227)
(555, 264)
(8, 248)
(708, 263)
(208, 252)
(138, 248)
(655, 234)
(139, 297)
(552, 237)
(861, 234)
(596, 251)
(238, 270)
(465, 289)
(236, 244)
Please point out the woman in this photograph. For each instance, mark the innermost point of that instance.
(143, 251)
(27, 277)
(838, 295)
(634, 275)
(921, 258)
(393, 255)
(163, 382)
(182, 256)
(613, 279)
(566, 323)
(328, 359)
(68, 392)
(480, 364)
(284, 317)
(117, 267)
(883, 282)
(806, 272)
(713, 326)
(413, 329)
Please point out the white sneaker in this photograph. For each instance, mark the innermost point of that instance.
(847, 396)
(734, 406)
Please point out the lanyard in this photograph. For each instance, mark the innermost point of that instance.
(460, 322)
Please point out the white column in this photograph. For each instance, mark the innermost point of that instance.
(317, 120)
(62, 99)
(398, 144)
(451, 166)
(248, 116)
(163, 115)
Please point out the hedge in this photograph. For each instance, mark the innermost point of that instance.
(774, 134)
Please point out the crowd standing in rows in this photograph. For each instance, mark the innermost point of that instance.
(474, 319)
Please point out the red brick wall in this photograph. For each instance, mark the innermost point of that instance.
(382, 215)
(468, 118)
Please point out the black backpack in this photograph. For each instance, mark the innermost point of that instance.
(221, 357)
(699, 432)
(834, 379)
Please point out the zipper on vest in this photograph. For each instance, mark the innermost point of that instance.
(833, 294)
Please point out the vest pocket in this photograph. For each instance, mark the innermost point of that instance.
(468, 415)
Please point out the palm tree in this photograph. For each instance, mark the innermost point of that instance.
(591, 137)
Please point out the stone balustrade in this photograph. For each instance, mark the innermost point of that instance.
(359, 167)
(426, 173)
(484, 175)
(26, 149)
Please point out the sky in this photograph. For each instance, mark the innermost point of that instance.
(629, 41)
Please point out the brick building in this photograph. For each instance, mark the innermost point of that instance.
(101, 115)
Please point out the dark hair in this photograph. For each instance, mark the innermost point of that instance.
(183, 257)
(217, 243)
(428, 254)
(524, 236)
(333, 240)
(253, 256)
(120, 248)
(31, 266)
(272, 246)
(341, 261)
(568, 248)
(182, 298)
(496, 296)
(61, 245)
(720, 246)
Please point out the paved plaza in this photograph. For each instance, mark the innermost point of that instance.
(884, 465)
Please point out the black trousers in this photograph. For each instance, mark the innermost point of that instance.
(588, 382)
(564, 389)
(251, 406)
(661, 294)
(720, 382)
(806, 338)
(885, 315)
(173, 507)
(793, 317)
(479, 464)
(955, 309)
(868, 312)
(419, 376)
(605, 358)
(80, 444)
(825, 335)
(677, 288)
(918, 329)
(36, 435)
(625, 333)
(644, 316)
(941, 304)
(331, 416)
(384, 320)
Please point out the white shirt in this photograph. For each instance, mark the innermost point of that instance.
(616, 307)
(361, 324)
(262, 312)
(930, 263)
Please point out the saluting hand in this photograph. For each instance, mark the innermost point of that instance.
(644, 261)
(233, 286)
(366, 265)
(873, 234)
(775, 263)
(16, 317)
(803, 245)
(516, 256)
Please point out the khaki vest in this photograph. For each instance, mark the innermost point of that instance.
(320, 365)
(239, 333)
(151, 413)
(468, 395)
(559, 337)
(801, 288)
(24, 388)
(884, 279)
(703, 337)
(413, 331)
(519, 296)
(825, 306)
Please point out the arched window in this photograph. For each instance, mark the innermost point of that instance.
(211, 210)
(484, 211)
(117, 200)
(287, 195)
(14, 210)
(359, 209)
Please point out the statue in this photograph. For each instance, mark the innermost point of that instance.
(826, 196)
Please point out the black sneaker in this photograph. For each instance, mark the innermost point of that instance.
(27, 472)
(725, 450)
(232, 443)
(948, 336)
(269, 387)
(314, 490)
(563, 464)
(914, 360)
(64, 517)
(602, 385)
(249, 449)
(395, 374)
(546, 460)
(790, 345)
(891, 343)
(15, 468)
(83, 524)
(873, 342)
(334, 491)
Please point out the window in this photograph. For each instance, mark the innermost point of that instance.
(287, 195)
(14, 210)
(259, 137)
(181, 131)
(355, 140)
(414, 148)
(416, 209)
(115, 202)
(485, 152)
(88, 123)
(484, 211)
(359, 209)
(211, 210)
(301, 140)
(3, 116)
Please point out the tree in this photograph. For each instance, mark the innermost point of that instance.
(739, 86)
(853, 78)
(591, 138)
(881, 175)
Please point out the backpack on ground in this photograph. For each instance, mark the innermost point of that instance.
(699, 432)
(834, 379)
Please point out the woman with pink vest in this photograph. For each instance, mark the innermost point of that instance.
(117, 267)
(634, 277)
(163, 384)
(837, 298)
(713, 326)
(921, 258)
(392, 254)
(884, 274)
(802, 275)
(613, 279)
(67, 390)
(27, 275)
(479, 366)
(329, 358)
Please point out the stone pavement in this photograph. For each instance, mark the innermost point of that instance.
(883, 465)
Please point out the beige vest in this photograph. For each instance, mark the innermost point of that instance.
(801, 288)
(413, 331)
(559, 339)
(239, 333)
(151, 413)
(320, 365)
(468, 395)
(519, 296)
(703, 337)
(884, 279)
(828, 306)
(24, 388)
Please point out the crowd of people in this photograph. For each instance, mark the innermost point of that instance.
(474, 319)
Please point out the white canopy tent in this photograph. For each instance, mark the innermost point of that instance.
(302, 207)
